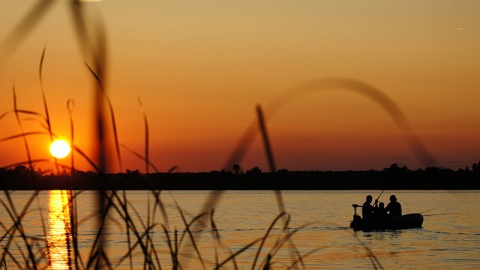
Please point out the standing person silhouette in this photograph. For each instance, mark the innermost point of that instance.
(394, 208)
(367, 208)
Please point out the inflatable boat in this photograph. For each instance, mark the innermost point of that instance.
(407, 221)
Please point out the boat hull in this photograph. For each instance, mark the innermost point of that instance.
(408, 221)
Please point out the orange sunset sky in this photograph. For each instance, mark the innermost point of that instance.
(201, 67)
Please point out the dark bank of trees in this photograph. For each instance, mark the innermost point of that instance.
(392, 177)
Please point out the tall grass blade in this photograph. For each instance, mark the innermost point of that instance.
(76, 8)
(125, 215)
(10, 256)
(44, 228)
(139, 242)
(112, 114)
(19, 111)
(97, 168)
(155, 168)
(375, 262)
(17, 219)
(94, 49)
(97, 254)
(321, 85)
(161, 205)
(287, 238)
(18, 34)
(149, 239)
(74, 228)
(238, 252)
(70, 107)
(44, 99)
(171, 248)
(302, 258)
(366, 90)
(268, 151)
(210, 203)
(40, 76)
(266, 139)
(216, 236)
(190, 234)
(214, 229)
(145, 121)
(127, 224)
(27, 148)
(264, 238)
(23, 135)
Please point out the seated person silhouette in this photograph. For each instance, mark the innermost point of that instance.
(380, 212)
(367, 208)
(394, 208)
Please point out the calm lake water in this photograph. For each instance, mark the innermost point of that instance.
(450, 237)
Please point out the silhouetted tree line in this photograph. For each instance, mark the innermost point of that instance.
(392, 177)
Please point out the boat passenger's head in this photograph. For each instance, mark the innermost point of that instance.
(393, 198)
(369, 198)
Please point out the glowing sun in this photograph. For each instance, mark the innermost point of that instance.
(60, 148)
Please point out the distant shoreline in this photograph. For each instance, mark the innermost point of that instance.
(433, 179)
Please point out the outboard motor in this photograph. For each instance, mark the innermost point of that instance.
(357, 220)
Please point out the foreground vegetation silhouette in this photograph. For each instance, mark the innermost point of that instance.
(25, 250)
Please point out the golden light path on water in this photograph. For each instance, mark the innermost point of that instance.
(59, 232)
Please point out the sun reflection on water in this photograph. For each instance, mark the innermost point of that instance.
(59, 233)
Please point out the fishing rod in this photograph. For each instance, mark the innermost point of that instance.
(445, 214)
(376, 200)
(404, 159)
(435, 208)
(401, 163)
